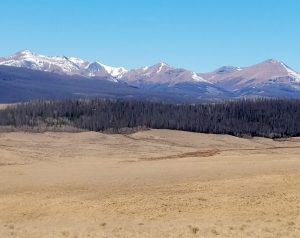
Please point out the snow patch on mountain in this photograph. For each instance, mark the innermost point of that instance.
(291, 72)
(197, 78)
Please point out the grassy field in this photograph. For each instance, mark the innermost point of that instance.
(156, 183)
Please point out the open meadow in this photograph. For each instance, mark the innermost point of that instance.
(154, 183)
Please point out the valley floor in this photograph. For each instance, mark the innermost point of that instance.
(156, 183)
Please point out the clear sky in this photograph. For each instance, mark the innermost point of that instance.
(201, 35)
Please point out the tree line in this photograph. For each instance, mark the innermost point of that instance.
(261, 117)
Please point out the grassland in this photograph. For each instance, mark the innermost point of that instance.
(155, 183)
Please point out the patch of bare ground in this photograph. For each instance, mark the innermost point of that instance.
(3, 106)
(200, 153)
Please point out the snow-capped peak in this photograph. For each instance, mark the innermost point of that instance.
(162, 74)
(60, 64)
(114, 71)
(77, 61)
(161, 66)
(274, 61)
(291, 73)
(99, 69)
(25, 52)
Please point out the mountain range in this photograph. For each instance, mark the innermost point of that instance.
(27, 75)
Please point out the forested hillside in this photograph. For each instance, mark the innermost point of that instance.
(268, 118)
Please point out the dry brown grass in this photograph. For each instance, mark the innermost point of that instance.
(178, 184)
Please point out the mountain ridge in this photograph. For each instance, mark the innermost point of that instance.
(270, 78)
(74, 65)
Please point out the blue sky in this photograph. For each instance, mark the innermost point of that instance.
(201, 35)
